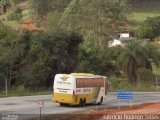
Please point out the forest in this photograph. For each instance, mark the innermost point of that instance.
(73, 36)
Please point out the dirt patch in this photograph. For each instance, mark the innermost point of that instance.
(149, 111)
(143, 109)
(28, 24)
(146, 108)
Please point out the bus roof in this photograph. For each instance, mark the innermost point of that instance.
(84, 75)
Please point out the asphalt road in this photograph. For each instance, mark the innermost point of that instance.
(28, 104)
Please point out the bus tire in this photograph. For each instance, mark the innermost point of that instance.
(84, 102)
(62, 104)
(81, 103)
(100, 101)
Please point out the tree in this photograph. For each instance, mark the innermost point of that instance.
(50, 53)
(150, 29)
(137, 55)
(40, 8)
(13, 50)
(97, 18)
(33, 59)
(5, 4)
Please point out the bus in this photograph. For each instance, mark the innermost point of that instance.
(79, 89)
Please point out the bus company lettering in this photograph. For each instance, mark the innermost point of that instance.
(78, 91)
(63, 82)
(87, 90)
(62, 91)
(83, 90)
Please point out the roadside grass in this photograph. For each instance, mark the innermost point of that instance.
(148, 6)
(142, 16)
(116, 85)
(21, 91)
(123, 84)
(140, 12)
(13, 24)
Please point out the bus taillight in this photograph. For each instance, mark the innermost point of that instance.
(73, 93)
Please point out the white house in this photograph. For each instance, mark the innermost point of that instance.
(124, 37)
(115, 43)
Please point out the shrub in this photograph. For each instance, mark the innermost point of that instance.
(10, 16)
(145, 74)
(150, 28)
(16, 14)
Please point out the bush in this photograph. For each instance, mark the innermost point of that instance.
(16, 14)
(145, 74)
(10, 16)
(118, 83)
(150, 28)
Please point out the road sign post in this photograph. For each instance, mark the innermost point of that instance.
(131, 103)
(40, 104)
(124, 95)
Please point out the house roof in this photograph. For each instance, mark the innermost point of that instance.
(127, 38)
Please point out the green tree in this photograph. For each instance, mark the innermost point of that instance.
(137, 55)
(91, 18)
(40, 8)
(33, 60)
(6, 35)
(14, 48)
(5, 4)
(50, 53)
(150, 29)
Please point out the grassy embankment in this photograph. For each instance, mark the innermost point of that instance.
(141, 12)
(14, 23)
(21, 91)
(123, 84)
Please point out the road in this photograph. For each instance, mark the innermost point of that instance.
(28, 104)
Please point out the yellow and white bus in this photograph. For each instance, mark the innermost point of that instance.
(79, 89)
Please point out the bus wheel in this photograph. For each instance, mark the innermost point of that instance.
(81, 103)
(100, 101)
(84, 102)
(62, 104)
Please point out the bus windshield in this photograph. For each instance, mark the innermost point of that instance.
(63, 82)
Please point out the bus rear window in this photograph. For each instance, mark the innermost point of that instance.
(89, 82)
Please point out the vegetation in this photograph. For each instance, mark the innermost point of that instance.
(138, 56)
(75, 38)
(16, 14)
(150, 28)
(4, 5)
(142, 9)
(40, 8)
(34, 59)
(21, 91)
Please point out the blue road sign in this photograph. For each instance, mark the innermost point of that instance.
(125, 95)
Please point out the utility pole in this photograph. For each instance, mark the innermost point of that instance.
(6, 84)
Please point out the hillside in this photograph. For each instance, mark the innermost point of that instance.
(140, 10)
(144, 9)
(73, 36)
